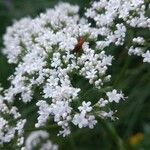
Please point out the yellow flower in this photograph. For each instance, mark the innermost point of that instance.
(136, 138)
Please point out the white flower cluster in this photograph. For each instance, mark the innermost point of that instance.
(139, 48)
(12, 130)
(52, 49)
(35, 138)
(131, 14)
(11, 124)
(48, 50)
(83, 119)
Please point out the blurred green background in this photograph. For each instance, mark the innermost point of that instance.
(128, 74)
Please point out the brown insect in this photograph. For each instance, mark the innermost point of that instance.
(78, 47)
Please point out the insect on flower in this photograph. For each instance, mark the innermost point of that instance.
(78, 46)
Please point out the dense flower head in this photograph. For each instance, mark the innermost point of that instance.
(50, 49)
(54, 49)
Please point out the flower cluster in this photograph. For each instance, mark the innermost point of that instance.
(83, 119)
(12, 130)
(130, 14)
(11, 124)
(139, 48)
(51, 50)
(37, 137)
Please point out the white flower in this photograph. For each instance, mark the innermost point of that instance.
(60, 109)
(146, 57)
(104, 114)
(56, 60)
(139, 40)
(3, 122)
(44, 112)
(91, 121)
(80, 120)
(136, 51)
(20, 125)
(114, 96)
(91, 74)
(86, 107)
(64, 132)
(102, 102)
(35, 138)
(83, 120)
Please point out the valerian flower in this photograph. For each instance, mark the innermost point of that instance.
(50, 50)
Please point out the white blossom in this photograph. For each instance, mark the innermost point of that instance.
(102, 102)
(146, 57)
(114, 96)
(80, 120)
(36, 137)
(85, 107)
(58, 47)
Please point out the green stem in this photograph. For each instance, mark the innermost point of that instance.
(72, 143)
(113, 134)
(122, 72)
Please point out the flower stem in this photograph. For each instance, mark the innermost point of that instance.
(109, 128)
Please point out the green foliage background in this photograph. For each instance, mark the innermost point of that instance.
(128, 74)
